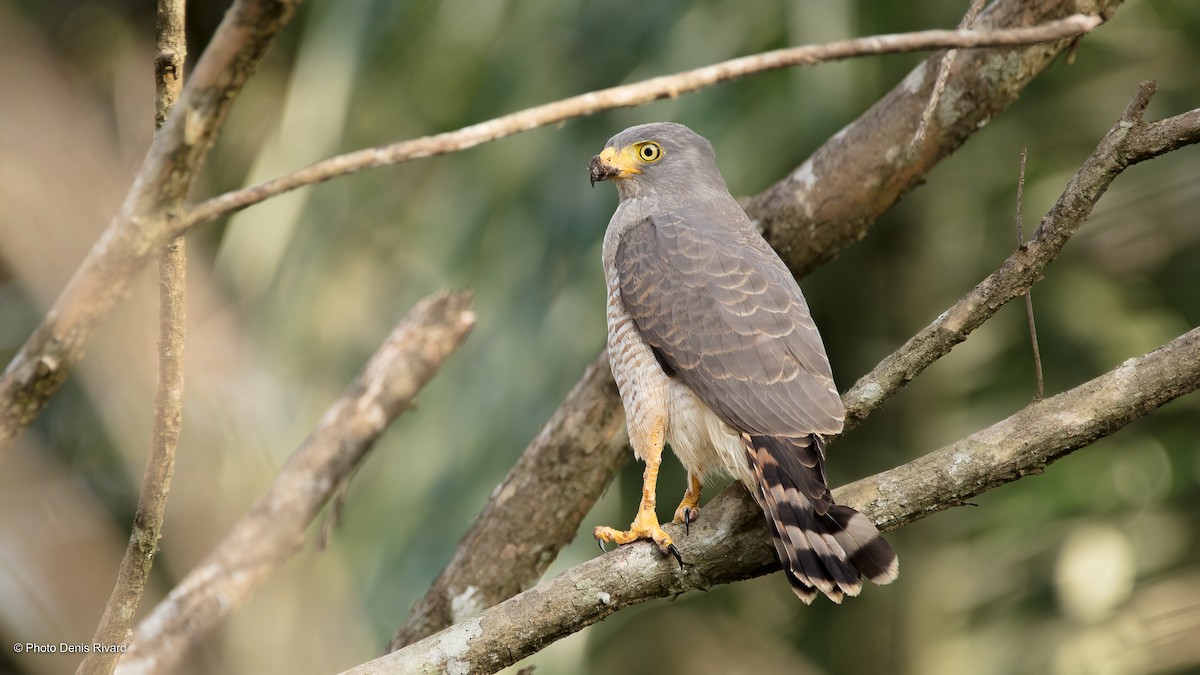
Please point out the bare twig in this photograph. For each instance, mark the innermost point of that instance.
(273, 530)
(730, 542)
(1040, 390)
(529, 551)
(632, 95)
(943, 74)
(141, 228)
(1128, 142)
(117, 620)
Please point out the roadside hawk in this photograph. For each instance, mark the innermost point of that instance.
(714, 351)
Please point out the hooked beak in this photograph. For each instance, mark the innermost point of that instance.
(608, 165)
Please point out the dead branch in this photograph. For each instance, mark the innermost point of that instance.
(730, 541)
(140, 229)
(273, 529)
(1129, 141)
(116, 623)
(632, 95)
(571, 494)
(943, 74)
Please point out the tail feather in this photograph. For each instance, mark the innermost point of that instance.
(823, 546)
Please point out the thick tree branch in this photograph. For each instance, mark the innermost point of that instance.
(993, 80)
(1129, 141)
(832, 199)
(141, 228)
(119, 612)
(632, 95)
(730, 542)
(273, 530)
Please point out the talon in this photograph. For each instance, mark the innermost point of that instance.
(687, 520)
(673, 550)
(600, 543)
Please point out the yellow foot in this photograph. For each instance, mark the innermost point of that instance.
(686, 514)
(645, 526)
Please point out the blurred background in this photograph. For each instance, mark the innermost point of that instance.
(1092, 568)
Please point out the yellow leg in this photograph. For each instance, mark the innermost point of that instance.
(645, 524)
(689, 507)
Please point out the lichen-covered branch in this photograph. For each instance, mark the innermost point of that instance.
(141, 228)
(832, 199)
(993, 80)
(117, 619)
(730, 542)
(273, 530)
(1130, 140)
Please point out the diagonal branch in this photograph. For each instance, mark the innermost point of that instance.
(731, 542)
(273, 530)
(140, 229)
(990, 79)
(1130, 140)
(633, 95)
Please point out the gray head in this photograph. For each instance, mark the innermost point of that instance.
(662, 158)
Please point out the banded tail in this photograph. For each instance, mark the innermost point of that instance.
(822, 546)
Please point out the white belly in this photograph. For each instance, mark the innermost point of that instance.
(703, 443)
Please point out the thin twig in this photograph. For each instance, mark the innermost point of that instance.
(142, 227)
(628, 96)
(119, 612)
(730, 541)
(1033, 338)
(944, 74)
(273, 529)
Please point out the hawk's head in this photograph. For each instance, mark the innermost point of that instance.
(662, 158)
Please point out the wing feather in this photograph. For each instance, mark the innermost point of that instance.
(726, 316)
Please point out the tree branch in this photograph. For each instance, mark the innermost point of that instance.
(141, 228)
(1129, 141)
(832, 199)
(632, 95)
(273, 530)
(731, 542)
(119, 612)
(992, 80)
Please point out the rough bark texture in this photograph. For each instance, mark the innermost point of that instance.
(730, 542)
(140, 228)
(991, 78)
(273, 530)
(832, 199)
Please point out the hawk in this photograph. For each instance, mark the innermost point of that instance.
(714, 351)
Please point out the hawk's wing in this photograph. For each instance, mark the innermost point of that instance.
(724, 315)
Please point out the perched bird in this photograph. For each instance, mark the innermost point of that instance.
(714, 351)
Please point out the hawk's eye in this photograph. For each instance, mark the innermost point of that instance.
(649, 151)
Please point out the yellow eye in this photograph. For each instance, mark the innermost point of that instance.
(649, 151)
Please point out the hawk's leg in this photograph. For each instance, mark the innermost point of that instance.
(689, 508)
(645, 523)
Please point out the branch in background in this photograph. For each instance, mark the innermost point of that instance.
(141, 228)
(523, 527)
(1129, 141)
(943, 74)
(273, 529)
(117, 620)
(730, 542)
(632, 95)
(993, 80)
(832, 199)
